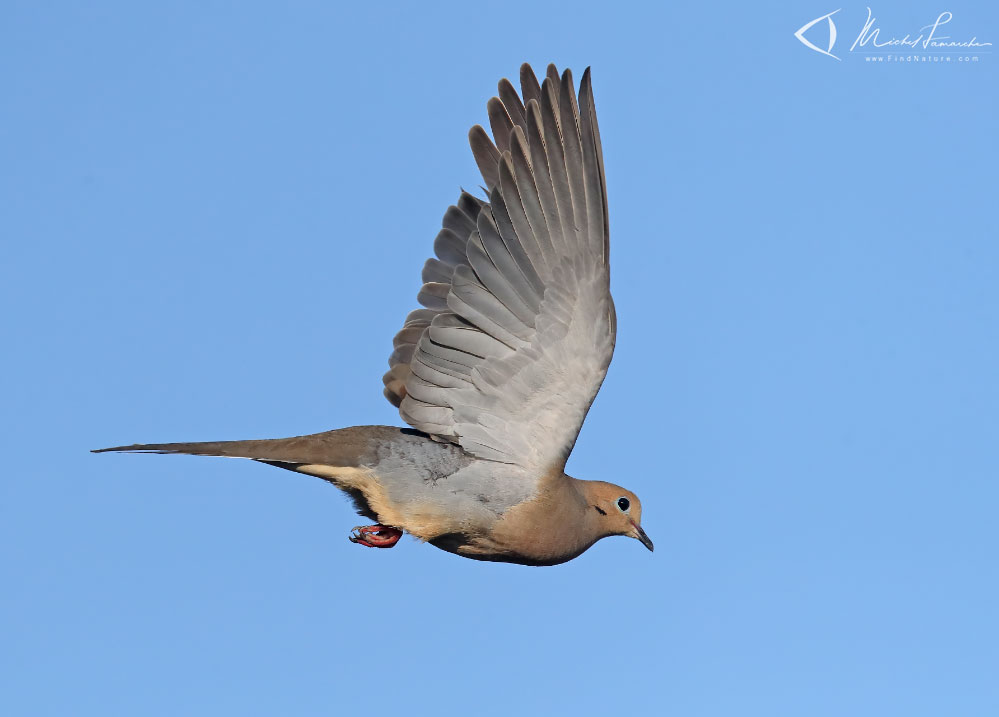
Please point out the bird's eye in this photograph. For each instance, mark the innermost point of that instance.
(623, 504)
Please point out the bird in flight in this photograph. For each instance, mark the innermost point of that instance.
(497, 371)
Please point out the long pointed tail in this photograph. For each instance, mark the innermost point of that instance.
(345, 447)
(230, 449)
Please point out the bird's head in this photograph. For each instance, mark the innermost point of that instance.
(616, 510)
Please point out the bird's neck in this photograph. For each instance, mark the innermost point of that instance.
(582, 496)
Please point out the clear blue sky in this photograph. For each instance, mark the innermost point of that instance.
(214, 219)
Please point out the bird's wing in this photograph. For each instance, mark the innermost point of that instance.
(518, 326)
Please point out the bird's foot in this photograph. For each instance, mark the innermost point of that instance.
(375, 536)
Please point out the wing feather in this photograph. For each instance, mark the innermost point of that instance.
(511, 101)
(557, 167)
(529, 195)
(486, 155)
(529, 87)
(518, 326)
(500, 123)
(499, 284)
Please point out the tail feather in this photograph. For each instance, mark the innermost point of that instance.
(344, 447)
(229, 449)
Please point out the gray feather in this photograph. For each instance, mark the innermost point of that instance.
(500, 123)
(485, 153)
(529, 86)
(507, 360)
(511, 101)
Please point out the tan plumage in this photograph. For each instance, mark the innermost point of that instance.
(498, 369)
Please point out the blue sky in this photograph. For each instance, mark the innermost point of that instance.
(214, 220)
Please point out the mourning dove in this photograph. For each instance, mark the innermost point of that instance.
(496, 373)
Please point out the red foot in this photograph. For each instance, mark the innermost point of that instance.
(375, 536)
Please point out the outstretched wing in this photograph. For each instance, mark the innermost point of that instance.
(518, 326)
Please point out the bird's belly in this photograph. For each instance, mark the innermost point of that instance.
(522, 549)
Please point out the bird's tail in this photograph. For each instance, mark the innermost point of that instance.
(345, 447)
(231, 449)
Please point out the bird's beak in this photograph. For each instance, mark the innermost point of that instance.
(643, 538)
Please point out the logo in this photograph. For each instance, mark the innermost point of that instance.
(928, 43)
(800, 34)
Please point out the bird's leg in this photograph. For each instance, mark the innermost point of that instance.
(375, 536)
